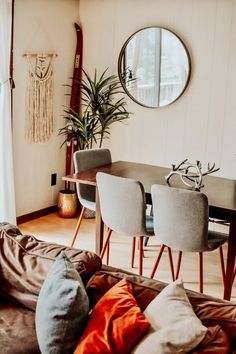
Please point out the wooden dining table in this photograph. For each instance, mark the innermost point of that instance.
(221, 193)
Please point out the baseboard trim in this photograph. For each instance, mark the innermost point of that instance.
(36, 214)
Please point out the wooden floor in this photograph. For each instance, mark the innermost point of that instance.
(52, 228)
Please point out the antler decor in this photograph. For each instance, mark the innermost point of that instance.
(191, 174)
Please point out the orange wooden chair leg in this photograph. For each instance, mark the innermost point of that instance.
(171, 263)
(108, 252)
(78, 226)
(234, 274)
(200, 272)
(178, 264)
(141, 255)
(157, 261)
(222, 264)
(109, 231)
(133, 251)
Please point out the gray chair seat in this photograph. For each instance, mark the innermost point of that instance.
(88, 204)
(181, 219)
(216, 239)
(84, 160)
(123, 210)
(149, 226)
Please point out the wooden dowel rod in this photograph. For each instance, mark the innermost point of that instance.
(35, 54)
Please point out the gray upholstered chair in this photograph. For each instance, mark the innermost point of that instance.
(84, 160)
(123, 210)
(181, 223)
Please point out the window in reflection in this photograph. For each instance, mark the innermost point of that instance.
(156, 66)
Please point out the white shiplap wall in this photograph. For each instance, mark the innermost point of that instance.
(202, 123)
(41, 26)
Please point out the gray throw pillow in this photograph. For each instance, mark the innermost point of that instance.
(62, 308)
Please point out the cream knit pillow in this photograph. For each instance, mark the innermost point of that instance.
(174, 326)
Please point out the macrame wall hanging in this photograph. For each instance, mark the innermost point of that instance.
(39, 120)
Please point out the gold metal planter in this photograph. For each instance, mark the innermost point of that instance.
(67, 203)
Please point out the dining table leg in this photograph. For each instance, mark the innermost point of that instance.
(230, 263)
(99, 226)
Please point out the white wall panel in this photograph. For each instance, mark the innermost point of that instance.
(41, 26)
(201, 124)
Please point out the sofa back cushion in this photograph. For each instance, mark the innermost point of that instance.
(17, 330)
(211, 311)
(25, 262)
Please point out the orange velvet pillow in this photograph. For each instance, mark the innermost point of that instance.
(116, 323)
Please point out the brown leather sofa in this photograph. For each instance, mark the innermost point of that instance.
(24, 263)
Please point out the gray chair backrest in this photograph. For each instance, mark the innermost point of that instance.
(180, 218)
(122, 203)
(84, 160)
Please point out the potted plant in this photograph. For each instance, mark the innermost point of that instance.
(102, 105)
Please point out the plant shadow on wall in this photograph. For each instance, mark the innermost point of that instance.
(102, 105)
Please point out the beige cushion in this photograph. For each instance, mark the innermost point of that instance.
(174, 326)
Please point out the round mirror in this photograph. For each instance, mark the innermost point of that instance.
(154, 67)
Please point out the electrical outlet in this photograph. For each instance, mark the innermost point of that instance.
(53, 179)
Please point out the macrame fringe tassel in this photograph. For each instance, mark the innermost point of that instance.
(39, 127)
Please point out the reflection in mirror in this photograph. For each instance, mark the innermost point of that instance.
(154, 67)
